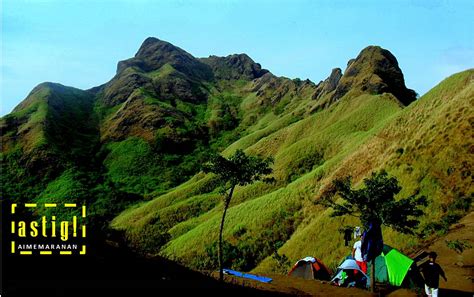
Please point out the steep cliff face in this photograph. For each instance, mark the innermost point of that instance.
(329, 84)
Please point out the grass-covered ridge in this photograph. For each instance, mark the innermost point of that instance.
(51, 130)
(352, 137)
(305, 148)
(429, 167)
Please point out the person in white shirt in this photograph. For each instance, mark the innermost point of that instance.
(357, 254)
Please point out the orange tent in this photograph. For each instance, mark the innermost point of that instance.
(310, 268)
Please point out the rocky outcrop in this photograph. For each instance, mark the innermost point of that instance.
(122, 86)
(329, 84)
(270, 90)
(237, 66)
(155, 53)
(374, 71)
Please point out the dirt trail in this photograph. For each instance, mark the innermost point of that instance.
(298, 286)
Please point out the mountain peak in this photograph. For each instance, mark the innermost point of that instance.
(236, 66)
(375, 70)
(153, 46)
(155, 53)
(45, 90)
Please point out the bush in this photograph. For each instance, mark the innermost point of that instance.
(458, 245)
(150, 239)
(441, 227)
(210, 260)
(282, 263)
(453, 213)
(304, 165)
(461, 204)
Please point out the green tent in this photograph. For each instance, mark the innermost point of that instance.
(391, 266)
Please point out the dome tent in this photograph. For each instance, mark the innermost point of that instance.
(310, 268)
(345, 275)
(391, 267)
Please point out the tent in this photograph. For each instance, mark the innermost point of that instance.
(310, 268)
(391, 266)
(345, 275)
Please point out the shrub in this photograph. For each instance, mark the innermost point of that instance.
(441, 227)
(458, 245)
(304, 165)
(150, 239)
(453, 213)
(282, 263)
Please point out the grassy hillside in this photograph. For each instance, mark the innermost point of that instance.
(142, 133)
(423, 145)
(51, 130)
(132, 150)
(417, 146)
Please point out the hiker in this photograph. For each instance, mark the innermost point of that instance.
(357, 255)
(372, 244)
(347, 235)
(431, 272)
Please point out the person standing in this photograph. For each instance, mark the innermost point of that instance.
(357, 254)
(347, 235)
(431, 272)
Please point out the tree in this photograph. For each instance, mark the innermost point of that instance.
(240, 169)
(376, 203)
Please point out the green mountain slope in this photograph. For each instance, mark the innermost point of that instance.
(425, 147)
(51, 130)
(132, 150)
(354, 136)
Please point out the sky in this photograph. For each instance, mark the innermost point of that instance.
(79, 42)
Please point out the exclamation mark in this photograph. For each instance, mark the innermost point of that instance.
(74, 226)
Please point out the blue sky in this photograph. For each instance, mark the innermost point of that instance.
(78, 43)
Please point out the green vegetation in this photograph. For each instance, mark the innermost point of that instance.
(133, 148)
(458, 245)
(334, 142)
(375, 206)
(131, 163)
(453, 212)
(375, 203)
(238, 170)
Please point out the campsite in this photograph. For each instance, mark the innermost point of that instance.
(112, 265)
(404, 281)
(453, 263)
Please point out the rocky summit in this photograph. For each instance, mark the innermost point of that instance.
(376, 71)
